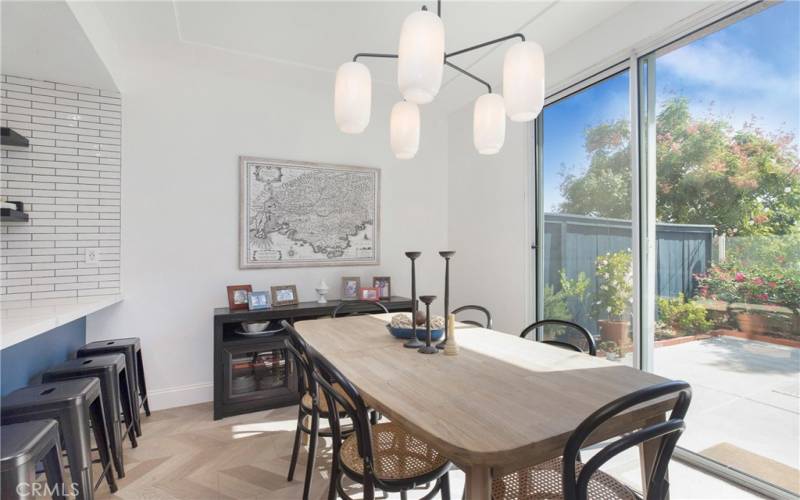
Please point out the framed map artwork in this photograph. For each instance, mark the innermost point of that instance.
(296, 214)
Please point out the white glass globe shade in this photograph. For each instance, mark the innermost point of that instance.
(489, 124)
(352, 97)
(420, 57)
(523, 81)
(404, 130)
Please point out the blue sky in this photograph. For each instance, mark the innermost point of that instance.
(748, 70)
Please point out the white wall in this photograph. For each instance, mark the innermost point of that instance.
(490, 217)
(487, 222)
(184, 128)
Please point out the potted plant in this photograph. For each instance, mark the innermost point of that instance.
(682, 317)
(610, 349)
(614, 296)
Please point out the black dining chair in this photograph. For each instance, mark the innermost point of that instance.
(311, 406)
(378, 456)
(569, 478)
(591, 345)
(357, 307)
(481, 309)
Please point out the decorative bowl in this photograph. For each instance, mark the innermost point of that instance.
(254, 327)
(406, 333)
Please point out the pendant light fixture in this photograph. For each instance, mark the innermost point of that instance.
(404, 130)
(420, 57)
(352, 97)
(523, 81)
(489, 124)
(421, 60)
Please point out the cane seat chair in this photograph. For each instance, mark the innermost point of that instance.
(480, 309)
(562, 340)
(567, 478)
(379, 456)
(357, 307)
(311, 407)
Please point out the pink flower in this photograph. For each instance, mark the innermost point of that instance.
(772, 284)
(739, 277)
(762, 296)
(758, 281)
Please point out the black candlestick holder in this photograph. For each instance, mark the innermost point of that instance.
(428, 348)
(413, 342)
(447, 254)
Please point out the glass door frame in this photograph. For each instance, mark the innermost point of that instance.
(641, 72)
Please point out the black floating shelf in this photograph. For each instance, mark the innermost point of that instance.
(10, 138)
(6, 214)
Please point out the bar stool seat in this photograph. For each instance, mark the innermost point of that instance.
(132, 349)
(74, 404)
(110, 370)
(22, 447)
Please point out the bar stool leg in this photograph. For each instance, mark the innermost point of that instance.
(127, 408)
(142, 384)
(75, 447)
(100, 432)
(54, 470)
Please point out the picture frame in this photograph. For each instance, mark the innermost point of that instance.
(350, 286)
(257, 301)
(369, 293)
(384, 286)
(238, 297)
(284, 295)
(279, 226)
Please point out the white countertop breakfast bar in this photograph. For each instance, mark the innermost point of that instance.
(23, 319)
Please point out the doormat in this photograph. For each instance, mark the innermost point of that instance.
(756, 465)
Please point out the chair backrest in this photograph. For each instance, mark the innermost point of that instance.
(575, 487)
(356, 307)
(325, 375)
(473, 307)
(297, 347)
(591, 344)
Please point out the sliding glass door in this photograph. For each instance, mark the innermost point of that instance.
(727, 198)
(586, 202)
(694, 243)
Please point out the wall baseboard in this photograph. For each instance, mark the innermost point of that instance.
(182, 395)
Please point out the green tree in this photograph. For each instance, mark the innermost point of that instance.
(744, 182)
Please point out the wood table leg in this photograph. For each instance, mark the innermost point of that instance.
(478, 483)
(647, 455)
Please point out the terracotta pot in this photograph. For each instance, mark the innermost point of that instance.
(752, 324)
(615, 331)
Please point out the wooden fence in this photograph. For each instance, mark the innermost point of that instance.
(573, 243)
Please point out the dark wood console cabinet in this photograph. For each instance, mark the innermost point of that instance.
(254, 373)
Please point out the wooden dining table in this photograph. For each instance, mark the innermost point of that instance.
(502, 404)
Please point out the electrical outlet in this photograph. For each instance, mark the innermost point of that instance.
(92, 256)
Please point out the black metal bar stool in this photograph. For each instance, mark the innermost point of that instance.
(23, 446)
(132, 350)
(74, 404)
(110, 370)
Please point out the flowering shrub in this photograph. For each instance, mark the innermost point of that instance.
(682, 316)
(755, 285)
(615, 291)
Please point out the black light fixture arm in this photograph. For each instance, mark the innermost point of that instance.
(486, 44)
(446, 56)
(372, 54)
(467, 73)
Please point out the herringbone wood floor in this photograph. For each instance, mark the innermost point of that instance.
(184, 454)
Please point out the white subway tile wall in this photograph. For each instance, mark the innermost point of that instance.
(69, 180)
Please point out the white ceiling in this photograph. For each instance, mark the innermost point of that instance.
(269, 39)
(323, 35)
(44, 40)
